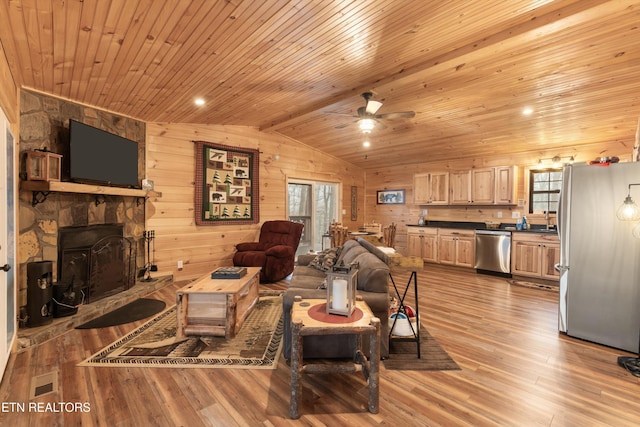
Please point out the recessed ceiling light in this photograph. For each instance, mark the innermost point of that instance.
(199, 102)
(366, 143)
(527, 111)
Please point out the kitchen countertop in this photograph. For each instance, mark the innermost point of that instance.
(535, 228)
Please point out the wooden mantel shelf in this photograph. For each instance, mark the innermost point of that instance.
(72, 187)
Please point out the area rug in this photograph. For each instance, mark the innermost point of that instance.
(256, 346)
(403, 355)
(132, 312)
(534, 285)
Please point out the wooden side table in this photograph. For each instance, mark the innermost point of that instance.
(308, 317)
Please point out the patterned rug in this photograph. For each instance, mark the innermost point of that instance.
(256, 346)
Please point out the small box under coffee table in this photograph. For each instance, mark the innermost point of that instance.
(216, 307)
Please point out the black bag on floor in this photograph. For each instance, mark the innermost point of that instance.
(65, 300)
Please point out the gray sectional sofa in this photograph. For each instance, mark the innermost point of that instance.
(373, 286)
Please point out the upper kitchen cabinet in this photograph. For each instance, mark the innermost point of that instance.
(460, 187)
(431, 188)
(483, 186)
(506, 180)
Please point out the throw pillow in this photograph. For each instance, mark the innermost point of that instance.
(325, 259)
(317, 262)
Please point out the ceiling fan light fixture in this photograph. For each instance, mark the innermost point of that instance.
(366, 125)
(373, 106)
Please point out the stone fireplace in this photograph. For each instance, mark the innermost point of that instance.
(43, 122)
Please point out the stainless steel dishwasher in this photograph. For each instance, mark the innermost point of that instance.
(493, 251)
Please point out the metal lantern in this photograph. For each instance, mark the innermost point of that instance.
(342, 282)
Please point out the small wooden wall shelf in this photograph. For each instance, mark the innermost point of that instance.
(41, 190)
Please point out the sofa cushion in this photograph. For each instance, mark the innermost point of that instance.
(349, 256)
(373, 274)
(348, 245)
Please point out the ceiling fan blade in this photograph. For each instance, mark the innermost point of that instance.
(338, 113)
(362, 113)
(398, 115)
(380, 125)
(372, 106)
(341, 126)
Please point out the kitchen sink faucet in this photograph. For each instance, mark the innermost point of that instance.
(546, 218)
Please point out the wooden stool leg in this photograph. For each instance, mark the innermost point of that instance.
(296, 370)
(374, 371)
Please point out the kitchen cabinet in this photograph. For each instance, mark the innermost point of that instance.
(486, 186)
(431, 188)
(456, 247)
(535, 255)
(476, 186)
(460, 187)
(483, 186)
(422, 242)
(506, 178)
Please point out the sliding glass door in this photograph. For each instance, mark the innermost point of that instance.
(315, 204)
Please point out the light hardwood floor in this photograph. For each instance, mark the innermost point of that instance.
(517, 370)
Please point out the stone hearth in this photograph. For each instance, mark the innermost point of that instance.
(28, 337)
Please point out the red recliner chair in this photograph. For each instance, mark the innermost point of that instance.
(274, 251)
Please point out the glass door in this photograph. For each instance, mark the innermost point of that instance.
(7, 245)
(314, 204)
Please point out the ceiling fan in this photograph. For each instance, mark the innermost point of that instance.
(368, 119)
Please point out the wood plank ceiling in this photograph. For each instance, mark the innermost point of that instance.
(467, 68)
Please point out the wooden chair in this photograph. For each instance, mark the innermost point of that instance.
(339, 234)
(389, 235)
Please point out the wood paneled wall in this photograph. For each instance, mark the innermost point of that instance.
(402, 178)
(8, 92)
(171, 165)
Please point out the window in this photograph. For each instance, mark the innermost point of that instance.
(315, 204)
(544, 190)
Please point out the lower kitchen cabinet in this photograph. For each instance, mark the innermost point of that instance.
(423, 243)
(535, 255)
(456, 247)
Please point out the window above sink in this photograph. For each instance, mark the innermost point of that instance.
(544, 189)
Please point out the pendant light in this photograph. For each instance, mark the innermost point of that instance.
(628, 211)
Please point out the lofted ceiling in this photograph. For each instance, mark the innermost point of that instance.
(467, 68)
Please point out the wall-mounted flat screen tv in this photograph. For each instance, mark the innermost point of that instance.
(100, 157)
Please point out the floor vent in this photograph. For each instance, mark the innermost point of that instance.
(43, 384)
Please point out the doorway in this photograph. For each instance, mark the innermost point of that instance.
(7, 244)
(314, 204)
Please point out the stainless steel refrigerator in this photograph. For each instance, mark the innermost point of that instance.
(599, 257)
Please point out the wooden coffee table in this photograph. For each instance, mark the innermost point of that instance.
(216, 307)
(307, 318)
